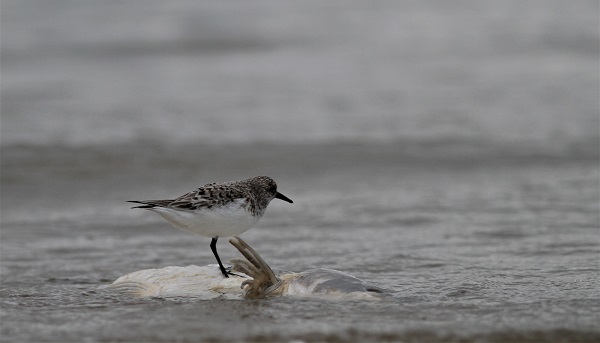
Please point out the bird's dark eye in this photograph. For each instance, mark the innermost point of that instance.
(272, 189)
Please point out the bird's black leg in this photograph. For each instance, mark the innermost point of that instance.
(213, 247)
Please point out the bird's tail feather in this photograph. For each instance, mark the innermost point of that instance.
(151, 203)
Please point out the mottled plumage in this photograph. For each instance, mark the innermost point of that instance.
(218, 209)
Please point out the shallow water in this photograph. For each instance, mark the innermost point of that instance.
(447, 153)
(490, 248)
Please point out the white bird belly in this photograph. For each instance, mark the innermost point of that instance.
(218, 221)
(205, 282)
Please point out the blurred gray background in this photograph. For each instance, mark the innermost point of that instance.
(92, 72)
(447, 151)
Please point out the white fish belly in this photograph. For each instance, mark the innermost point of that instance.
(223, 221)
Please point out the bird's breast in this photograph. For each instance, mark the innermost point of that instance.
(217, 221)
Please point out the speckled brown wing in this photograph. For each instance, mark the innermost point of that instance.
(208, 196)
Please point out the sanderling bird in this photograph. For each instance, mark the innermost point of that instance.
(218, 209)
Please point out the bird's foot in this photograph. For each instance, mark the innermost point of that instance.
(227, 272)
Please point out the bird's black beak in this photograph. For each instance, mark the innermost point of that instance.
(283, 197)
